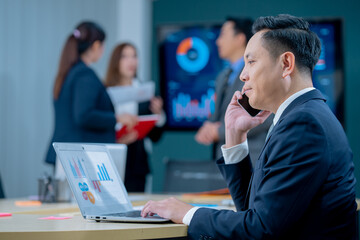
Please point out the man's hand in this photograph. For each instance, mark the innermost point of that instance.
(208, 133)
(170, 208)
(238, 122)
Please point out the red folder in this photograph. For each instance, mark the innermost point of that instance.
(144, 126)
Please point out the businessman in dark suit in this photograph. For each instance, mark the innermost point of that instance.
(234, 35)
(303, 184)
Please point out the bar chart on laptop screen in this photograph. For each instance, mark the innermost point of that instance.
(103, 179)
(76, 168)
(74, 164)
(103, 173)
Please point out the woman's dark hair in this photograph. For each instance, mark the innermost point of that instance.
(113, 72)
(290, 33)
(80, 40)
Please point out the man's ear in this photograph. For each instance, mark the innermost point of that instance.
(96, 44)
(288, 63)
(241, 39)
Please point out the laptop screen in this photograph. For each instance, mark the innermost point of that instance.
(93, 178)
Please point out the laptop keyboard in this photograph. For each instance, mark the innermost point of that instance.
(135, 213)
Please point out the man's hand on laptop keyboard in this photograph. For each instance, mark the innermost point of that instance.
(170, 208)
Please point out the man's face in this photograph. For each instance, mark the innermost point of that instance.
(262, 75)
(226, 41)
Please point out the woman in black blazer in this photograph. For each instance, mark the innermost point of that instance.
(83, 109)
(122, 72)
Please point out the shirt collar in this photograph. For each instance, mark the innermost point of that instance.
(238, 65)
(287, 102)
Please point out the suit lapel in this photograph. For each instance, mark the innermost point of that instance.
(314, 94)
(221, 82)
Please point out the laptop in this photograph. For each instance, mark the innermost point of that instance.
(118, 154)
(96, 184)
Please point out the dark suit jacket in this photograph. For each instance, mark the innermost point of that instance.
(137, 165)
(83, 111)
(302, 186)
(224, 93)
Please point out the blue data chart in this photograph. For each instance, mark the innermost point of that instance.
(77, 169)
(103, 173)
(190, 63)
(189, 109)
(192, 54)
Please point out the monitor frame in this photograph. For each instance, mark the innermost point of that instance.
(160, 29)
(339, 69)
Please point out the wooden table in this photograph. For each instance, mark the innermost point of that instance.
(28, 226)
(25, 224)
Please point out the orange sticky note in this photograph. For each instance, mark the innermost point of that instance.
(27, 203)
(5, 214)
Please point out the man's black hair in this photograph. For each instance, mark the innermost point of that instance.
(242, 25)
(290, 33)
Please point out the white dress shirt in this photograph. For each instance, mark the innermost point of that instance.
(238, 152)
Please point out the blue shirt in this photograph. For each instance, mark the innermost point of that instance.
(236, 67)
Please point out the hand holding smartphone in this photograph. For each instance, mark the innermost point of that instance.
(244, 103)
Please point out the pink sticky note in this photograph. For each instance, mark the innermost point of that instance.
(54, 218)
(5, 214)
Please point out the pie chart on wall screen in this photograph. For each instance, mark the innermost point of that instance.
(192, 54)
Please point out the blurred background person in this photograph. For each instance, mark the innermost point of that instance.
(83, 109)
(232, 41)
(121, 71)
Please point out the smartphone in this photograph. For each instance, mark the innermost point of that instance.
(244, 102)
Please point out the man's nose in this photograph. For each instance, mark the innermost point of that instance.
(218, 42)
(244, 76)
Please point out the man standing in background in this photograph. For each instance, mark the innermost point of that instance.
(234, 35)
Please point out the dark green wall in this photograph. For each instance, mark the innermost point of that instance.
(182, 144)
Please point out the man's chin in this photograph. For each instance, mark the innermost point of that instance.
(253, 103)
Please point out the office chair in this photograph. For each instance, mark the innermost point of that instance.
(191, 176)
